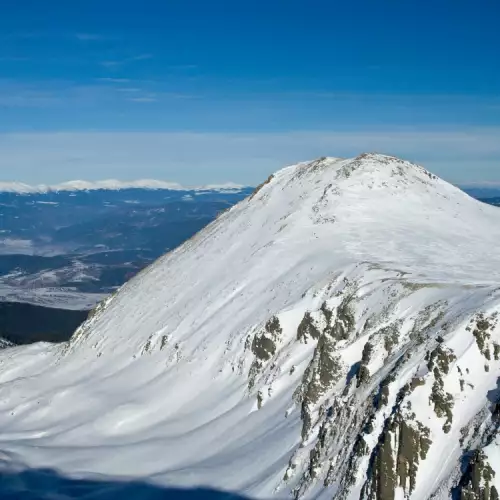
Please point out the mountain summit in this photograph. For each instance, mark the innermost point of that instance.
(334, 335)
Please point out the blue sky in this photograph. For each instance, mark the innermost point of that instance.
(196, 92)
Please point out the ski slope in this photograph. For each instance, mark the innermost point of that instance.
(332, 336)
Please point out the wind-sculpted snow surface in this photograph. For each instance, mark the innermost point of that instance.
(336, 335)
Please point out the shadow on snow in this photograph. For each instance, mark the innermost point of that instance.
(47, 484)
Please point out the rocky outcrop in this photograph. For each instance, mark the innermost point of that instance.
(482, 327)
(403, 444)
(308, 330)
(325, 368)
(263, 347)
(438, 363)
(476, 483)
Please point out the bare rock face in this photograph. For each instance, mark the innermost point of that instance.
(477, 482)
(264, 347)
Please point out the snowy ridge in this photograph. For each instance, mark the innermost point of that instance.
(111, 184)
(335, 335)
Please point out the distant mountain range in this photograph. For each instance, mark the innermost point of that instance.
(112, 184)
(475, 190)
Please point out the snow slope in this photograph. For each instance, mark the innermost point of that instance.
(111, 184)
(55, 297)
(335, 335)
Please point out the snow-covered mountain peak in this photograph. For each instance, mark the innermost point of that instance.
(374, 203)
(368, 169)
(335, 335)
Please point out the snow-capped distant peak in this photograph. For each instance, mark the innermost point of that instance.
(111, 184)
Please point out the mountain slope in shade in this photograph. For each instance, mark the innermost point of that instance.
(335, 335)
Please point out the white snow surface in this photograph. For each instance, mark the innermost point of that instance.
(156, 384)
(55, 297)
(111, 184)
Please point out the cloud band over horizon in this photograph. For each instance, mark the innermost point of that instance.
(465, 156)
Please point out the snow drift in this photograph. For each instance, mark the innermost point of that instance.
(334, 335)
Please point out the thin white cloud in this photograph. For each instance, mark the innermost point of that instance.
(82, 36)
(157, 96)
(27, 100)
(111, 64)
(461, 156)
(13, 95)
(128, 89)
(114, 80)
(140, 57)
(90, 37)
(183, 67)
(143, 99)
